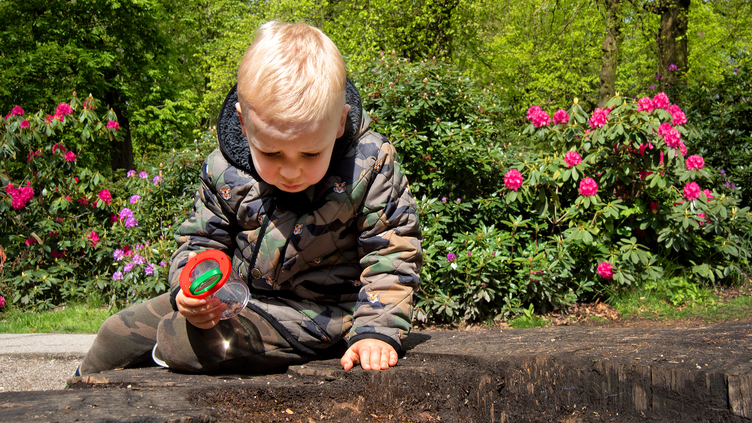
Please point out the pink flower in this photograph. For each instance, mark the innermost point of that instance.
(660, 101)
(708, 194)
(513, 179)
(692, 191)
(93, 239)
(143, 175)
(672, 67)
(605, 270)
(58, 146)
(677, 116)
(588, 187)
(704, 218)
(113, 125)
(572, 158)
(654, 206)
(598, 118)
(19, 196)
(682, 148)
(694, 162)
(30, 241)
(17, 111)
(539, 118)
(63, 109)
(157, 179)
(645, 104)
(24, 124)
(70, 156)
(451, 257)
(670, 135)
(131, 173)
(134, 199)
(32, 154)
(105, 196)
(561, 116)
(57, 254)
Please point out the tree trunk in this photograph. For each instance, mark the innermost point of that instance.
(121, 151)
(610, 50)
(672, 41)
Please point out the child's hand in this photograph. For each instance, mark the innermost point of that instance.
(200, 312)
(372, 354)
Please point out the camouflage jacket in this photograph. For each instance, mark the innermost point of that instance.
(353, 240)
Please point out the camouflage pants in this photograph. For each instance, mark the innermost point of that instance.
(268, 335)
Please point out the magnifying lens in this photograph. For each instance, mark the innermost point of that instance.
(209, 274)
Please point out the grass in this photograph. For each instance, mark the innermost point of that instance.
(79, 318)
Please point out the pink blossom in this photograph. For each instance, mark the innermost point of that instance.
(572, 158)
(31, 155)
(19, 196)
(538, 117)
(708, 193)
(605, 270)
(105, 196)
(682, 148)
(561, 116)
(598, 118)
(513, 179)
(2, 302)
(451, 257)
(30, 241)
(143, 175)
(16, 111)
(131, 173)
(24, 124)
(588, 187)
(57, 254)
(93, 239)
(704, 218)
(63, 109)
(645, 104)
(58, 146)
(157, 179)
(70, 156)
(113, 125)
(660, 101)
(672, 67)
(694, 162)
(692, 191)
(134, 199)
(677, 116)
(670, 135)
(654, 206)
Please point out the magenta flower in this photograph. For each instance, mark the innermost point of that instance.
(150, 269)
(692, 191)
(708, 194)
(16, 111)
(128, 267)
(443, 199)
(694, 162)
(157, 179)
(561, 116)
(672, 67)
(63, 109)
(143, 175)
(652, 87)
(588, 187)
(605, 270)
(670, 135)
(113, 125)
(105, 196)
(58, 146)
(2, 302)
(70, 156)
(125, 213)
(469, 254)
(682, 148)
(139, 259)
(117, 276)
(134, 199)
(162, 263)
(654, 206)
(130, 222)
(20, 196)
(538, 117)
(451, 257)
(131, 173)
(93, 239)
(459, 200)
(572, 158)
(24, 124)
(118, 254)
(513, 179)
(660, 101)
(598, 118)
(645, 104)
(677, 116)
(30, 241)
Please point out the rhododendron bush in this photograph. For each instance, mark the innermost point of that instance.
(61, 223)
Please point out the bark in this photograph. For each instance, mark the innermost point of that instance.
(121, 151)
(672, 41)
(610, 50)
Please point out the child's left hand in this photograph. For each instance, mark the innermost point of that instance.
(372, 354)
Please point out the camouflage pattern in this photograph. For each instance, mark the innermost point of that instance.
(336, 264)
(352, 241)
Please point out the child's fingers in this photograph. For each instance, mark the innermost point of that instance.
(349, 360)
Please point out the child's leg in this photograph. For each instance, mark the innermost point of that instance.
(268, 335)
(127, 338)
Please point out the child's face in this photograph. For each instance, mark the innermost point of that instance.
(288, 156)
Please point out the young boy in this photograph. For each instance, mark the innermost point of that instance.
(315, 214)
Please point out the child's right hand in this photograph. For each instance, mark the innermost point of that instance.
(204, 313)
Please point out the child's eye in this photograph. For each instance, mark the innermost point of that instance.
(311, 155)
(269, 154)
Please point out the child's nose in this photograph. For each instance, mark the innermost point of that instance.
(289, 171)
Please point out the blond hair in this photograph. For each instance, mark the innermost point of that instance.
(292, 72)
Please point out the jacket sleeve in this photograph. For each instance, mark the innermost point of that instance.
(210, 225)
(391, 255)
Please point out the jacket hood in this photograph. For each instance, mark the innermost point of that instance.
(234, 145)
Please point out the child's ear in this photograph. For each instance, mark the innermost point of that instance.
(342, 120)
(240, 116)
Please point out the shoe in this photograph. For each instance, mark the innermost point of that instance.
(157, 357)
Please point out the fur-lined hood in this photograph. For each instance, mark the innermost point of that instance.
(234, 145)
